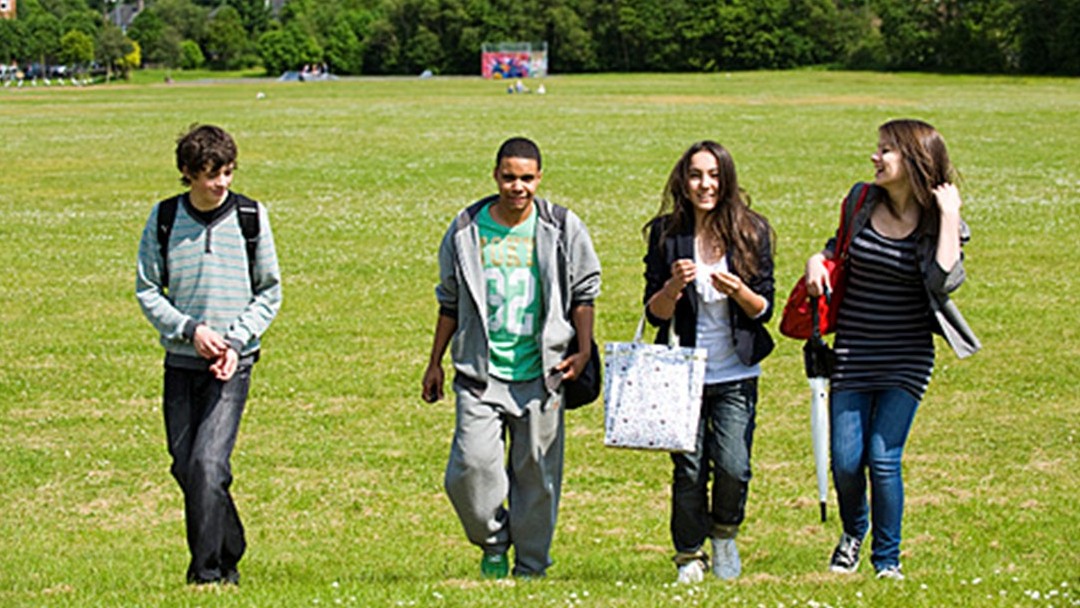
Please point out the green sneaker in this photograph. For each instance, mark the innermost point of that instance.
(494, 565)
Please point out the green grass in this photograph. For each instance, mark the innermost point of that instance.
(339, 463)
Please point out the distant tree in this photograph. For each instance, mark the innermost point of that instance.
(288, 49)
(255, 15)
(61, 8)
(43, 37)
(226, 40)
(572, 45)
(344, 53)
(76, 48)
(85, 21)
(187, 18)
(423, 51)
(160, 41)
(191, 56)
(382, 48)
(112, 47)
(12, 40)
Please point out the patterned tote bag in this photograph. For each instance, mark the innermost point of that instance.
(652, 394)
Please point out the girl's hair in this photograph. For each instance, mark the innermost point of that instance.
(731, 222)
(204, 147)
(926, 159)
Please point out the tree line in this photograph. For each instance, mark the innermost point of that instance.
(445, 36)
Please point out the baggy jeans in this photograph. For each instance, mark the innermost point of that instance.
(202, 417)
(868, 432)
(504, 503)
(725, 437)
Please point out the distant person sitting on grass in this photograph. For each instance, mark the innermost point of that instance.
(208, 281)
(517, 275)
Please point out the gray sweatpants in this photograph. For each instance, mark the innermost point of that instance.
(479, 480)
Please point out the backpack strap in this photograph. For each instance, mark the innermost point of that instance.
(166, 216)
(247, 213)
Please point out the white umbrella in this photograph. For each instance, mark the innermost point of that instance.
(819, 361)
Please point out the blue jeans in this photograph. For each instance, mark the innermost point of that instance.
(725, 437)
(202, 417)
(868, 431)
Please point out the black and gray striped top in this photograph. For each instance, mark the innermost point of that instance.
(883, 335)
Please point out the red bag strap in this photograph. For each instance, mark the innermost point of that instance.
(847, 214)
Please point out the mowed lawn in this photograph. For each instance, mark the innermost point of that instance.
(339, 463)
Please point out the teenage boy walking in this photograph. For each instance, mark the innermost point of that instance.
(517, 275)
(208, 282)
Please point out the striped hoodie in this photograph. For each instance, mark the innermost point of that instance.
(208, 282)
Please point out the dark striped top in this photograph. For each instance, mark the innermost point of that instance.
(883, 335)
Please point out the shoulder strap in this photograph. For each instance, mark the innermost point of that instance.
(247, 213)
(851, 207)
(166, 216)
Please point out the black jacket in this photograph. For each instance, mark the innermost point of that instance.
(752, 340)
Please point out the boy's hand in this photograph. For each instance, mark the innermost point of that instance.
(225, 365)
(572, 366)
(433, 384)
(208, 343)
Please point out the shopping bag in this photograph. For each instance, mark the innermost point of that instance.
(652, 394)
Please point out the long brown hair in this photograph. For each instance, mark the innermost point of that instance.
(926, 159)
(731, 222)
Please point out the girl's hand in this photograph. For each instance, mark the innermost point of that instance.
(948, 199)
(726, 283)
(817, 278)
(682, 273)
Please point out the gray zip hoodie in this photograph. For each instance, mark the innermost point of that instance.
(569, 277)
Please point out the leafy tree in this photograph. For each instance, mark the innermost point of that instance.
(255, 15)
(43, 37)
(423, 51)
(85, 21)
(191, 56)
(382, 48)
(344, 53)
(12, 40)
(76, 48)
(226, 40)
(288, 48)
(188, 19)
(160, 42)
(112, 47)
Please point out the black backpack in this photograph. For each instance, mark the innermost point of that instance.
(247, 212)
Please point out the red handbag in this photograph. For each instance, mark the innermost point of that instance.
(796, 322)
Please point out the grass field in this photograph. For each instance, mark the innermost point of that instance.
(339, 464)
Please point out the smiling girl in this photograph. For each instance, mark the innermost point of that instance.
(904, 260)
(709, 267)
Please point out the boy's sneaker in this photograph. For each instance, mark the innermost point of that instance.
(494, 565)
(891, 573)
(691, 572)
(726, 564)
(845, 558)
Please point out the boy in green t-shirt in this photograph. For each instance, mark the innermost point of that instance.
(514, 284)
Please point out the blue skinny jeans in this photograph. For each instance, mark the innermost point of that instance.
(868, 432)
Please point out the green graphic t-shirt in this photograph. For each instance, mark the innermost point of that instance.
(513, 297)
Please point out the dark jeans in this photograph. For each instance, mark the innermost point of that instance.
(725, 437)
(202, 416)
(869, 430)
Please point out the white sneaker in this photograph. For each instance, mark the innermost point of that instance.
(891, 573)
(691, 572)
(726, 564)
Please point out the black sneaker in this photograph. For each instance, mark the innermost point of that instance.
(845, 557)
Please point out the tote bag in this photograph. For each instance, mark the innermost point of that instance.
(652, 394)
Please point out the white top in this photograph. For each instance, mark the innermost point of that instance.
(714, 328)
